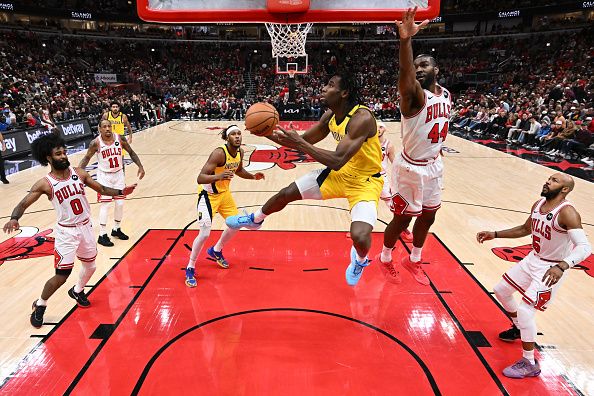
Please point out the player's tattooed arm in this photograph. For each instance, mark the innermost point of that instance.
(39, 188)
(134, 156)
(100, 188)
(241, 172)
(94, 146)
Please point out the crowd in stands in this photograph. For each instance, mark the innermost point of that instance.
(46, 79)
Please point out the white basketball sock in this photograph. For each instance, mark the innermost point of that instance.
(386, 256)
(87, 270)
(41, 302)
(103, 210)
(197, 245)
(259, 216)
(415, 254)
(529, 355)
(118, 213)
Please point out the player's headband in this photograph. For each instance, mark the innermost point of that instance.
(232, 128)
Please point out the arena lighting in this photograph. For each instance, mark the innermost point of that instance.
(548, 44)
(152, 50)
(43, 44)
(255, 51)
(327, 51)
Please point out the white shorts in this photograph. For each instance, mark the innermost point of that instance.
(526, 277)
(115, 180)
(416, 188)
(77, 240)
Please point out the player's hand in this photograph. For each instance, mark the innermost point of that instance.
(11, 225)
(226, 175)
(289, 138)
(140, 173)
(259, 176)
(407, 27)
(128, 189)
(552, 276)
(485, 236)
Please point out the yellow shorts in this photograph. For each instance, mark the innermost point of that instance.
(327, 184)
(211, 204)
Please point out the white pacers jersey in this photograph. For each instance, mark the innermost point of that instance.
(109, 156)
(423, 134)
(385, 160)
(69, 199)
(550, 242)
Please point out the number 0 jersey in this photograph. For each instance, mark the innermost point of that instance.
(109, 156)
(69, 199)
(423, 133)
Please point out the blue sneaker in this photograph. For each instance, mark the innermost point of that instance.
(190, 279)
(355, 269)
(218, 257)
(246, 221)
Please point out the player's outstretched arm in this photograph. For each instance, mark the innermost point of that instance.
(359, 128)
(101, 189)
(241, 172)
(313, 135)
(38, 189)
(89, 154)
(516, 232)
(134, 156)
(412, 97)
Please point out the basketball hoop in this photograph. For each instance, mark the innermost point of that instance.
(288, 40)
(291, 73)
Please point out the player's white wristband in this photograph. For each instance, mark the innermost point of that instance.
(582, 248)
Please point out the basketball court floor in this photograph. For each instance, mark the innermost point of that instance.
(281, 319)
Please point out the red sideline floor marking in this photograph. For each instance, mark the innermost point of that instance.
(287, 332)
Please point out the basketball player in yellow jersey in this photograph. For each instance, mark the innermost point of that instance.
(215, 197)
(118, 120)
(353, 169)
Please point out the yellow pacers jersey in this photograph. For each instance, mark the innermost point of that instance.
(231, 163)
(117, 122)
(368, 160)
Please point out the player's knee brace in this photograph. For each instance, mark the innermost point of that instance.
(504, 293)
(526, 322)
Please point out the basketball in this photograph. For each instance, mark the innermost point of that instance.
(261, 119)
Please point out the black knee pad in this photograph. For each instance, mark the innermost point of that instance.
(64, 272)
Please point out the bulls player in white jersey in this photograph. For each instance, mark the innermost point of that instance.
(65, 188)
(558, 243)
(109, 148)
(418, 169)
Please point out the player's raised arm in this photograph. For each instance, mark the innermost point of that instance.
(411, 92)
(38, 189)
(94, 146)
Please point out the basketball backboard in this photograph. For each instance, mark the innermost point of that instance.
(282, 11)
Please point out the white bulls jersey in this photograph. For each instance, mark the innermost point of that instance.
(69, 199)
(109, 156)
(423, 134)
(385, 160)
(550, 241)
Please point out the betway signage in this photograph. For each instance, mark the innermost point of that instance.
(18, 143)
(106, 77)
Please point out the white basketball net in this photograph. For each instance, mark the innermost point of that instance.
(288, 40)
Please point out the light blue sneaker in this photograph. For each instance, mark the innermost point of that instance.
(247, 221)
(218, 257)
(355, 269)
(190, 278)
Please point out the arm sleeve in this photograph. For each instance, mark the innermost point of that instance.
(582, 248)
